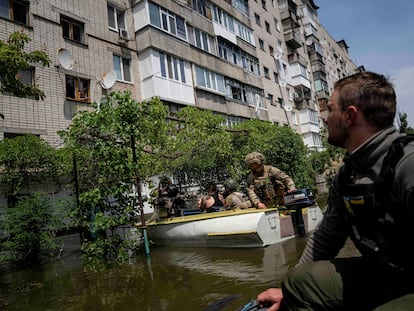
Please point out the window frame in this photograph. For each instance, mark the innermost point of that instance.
(11, 11)
(76, 91)
(118, 24)
(172, 68)
(123, 63)
(71, 23)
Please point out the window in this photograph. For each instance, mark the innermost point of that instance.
(210, 80)
(266, 72)
(116, 18)
(26, 76)
(271, 51)
(167, 21)
(276, 76)
(261, 44)
(172, 68)
(257, 18)
(267, 27)
(15, 10)
(122, 68)
(72, 30)
(264, 4)
(201, 39)
(77, 89)
(270, 97)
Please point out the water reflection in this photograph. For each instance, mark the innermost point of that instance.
(170, 279)
(261, 265)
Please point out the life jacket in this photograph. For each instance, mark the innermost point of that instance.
(378, 225)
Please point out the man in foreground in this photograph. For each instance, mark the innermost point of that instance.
(369, 202)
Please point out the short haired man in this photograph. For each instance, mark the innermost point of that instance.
(360, 119)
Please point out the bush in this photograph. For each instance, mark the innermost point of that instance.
(31, 230)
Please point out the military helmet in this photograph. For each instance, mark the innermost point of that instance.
(254, 157)
(231, 184)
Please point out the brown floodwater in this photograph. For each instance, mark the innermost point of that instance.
(169, 279)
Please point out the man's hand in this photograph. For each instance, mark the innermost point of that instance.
(272, 297)
(261, 205)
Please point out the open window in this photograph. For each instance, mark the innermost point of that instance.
(78, 89)
(72, 29)
(15, 10)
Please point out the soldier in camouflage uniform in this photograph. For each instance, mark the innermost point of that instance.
(235, 200)
(266, 184)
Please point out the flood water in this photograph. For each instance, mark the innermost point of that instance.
(169, 279)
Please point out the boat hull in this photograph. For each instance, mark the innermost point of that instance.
(230, 229)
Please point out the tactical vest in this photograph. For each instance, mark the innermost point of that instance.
(378, 226)
(268, 189)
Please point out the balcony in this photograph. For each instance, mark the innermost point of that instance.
(296, 58)
(293, 39)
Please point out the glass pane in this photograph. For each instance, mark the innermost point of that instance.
(65, 29)
(70, 87)
(126, 69)
(117, 66)
(154, 15)
(162, 65)
(182, 71)
(4, 8)
(111, 17)
(77, 32)
(20, 12)
(120, 19)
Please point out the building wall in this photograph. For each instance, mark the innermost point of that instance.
(283, 91)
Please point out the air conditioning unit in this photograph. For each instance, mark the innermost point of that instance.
(123, 34)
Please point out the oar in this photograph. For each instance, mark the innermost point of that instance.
(221, 303)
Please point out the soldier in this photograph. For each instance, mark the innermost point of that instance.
(266, 184)
(235, 200)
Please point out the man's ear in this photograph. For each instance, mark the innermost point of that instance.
(352, 114)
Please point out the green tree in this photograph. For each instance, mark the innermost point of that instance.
(403, 122)
(13, 60)
(30, 221)
(202, 146)
(31, 226)
(116, 146)
(28, 160)
(281, 146)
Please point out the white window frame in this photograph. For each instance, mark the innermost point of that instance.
(123, 64)
(117, 14)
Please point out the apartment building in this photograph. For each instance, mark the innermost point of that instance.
(244, 59)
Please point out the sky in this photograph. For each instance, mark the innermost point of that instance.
(380, 36)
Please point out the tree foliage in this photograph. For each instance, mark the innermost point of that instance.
(116, 146)
(28, 160)
(403, 122)
(13, 60)
(281, 146)
(31, 227)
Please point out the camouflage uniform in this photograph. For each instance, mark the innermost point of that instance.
(267, 185)
(237, 201)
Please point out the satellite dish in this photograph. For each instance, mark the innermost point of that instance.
(280, 49)
(108, 79)
(283, 83)
(309, 41)
(277, 55)
(323, 42)
(65, 59)
(287, 107)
